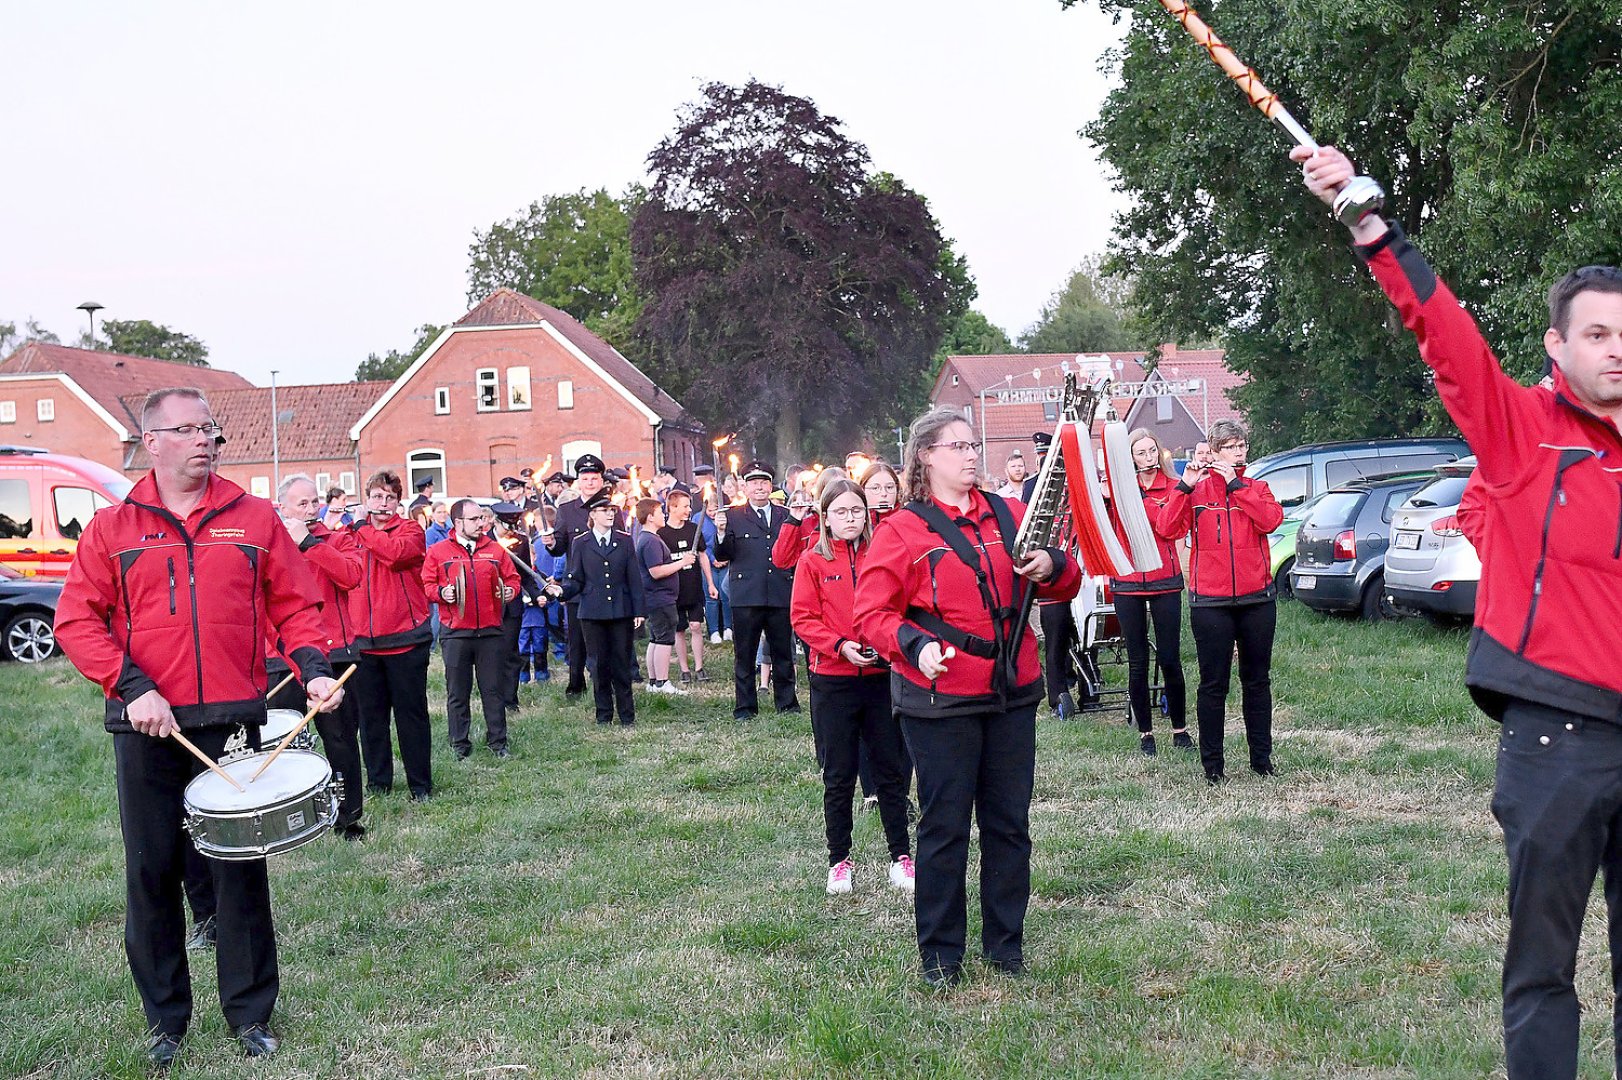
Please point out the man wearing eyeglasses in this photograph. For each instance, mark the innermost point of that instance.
(1543, 655)
(167, 605)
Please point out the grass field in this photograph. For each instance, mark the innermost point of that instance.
(650, 902)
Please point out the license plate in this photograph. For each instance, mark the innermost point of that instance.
(1409, 540)
(1306, 581)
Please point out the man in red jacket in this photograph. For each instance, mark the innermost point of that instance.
(1543, 656)
(166, 606)
(472, 577)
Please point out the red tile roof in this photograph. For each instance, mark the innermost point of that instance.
(508, 307)
(315, 422)
(113, 378)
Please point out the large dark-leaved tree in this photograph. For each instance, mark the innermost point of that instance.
(789, 290)
(143, 337)
(1495, 133)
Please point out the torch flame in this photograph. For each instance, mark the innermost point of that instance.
(732, 462)
(545, 470)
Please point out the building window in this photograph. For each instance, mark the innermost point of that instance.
(442, 400)
(260, 486)
(346, 480)
(968, 414)
(425, 465)
(1050, 411)
(574, 451)
(954, 380)
(1163, 409)
(565, 394)
(488, 382)
(518, 388)
(323, 481)
(8, 412)
(46, 409)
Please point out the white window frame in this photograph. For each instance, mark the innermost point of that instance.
(322, 482)
(565, 393)
(442, 401)
(579, 448)
(45, 409)
(8, 412)
(482, 378)
(518, 390)
(260, 486)
(346, 480)
(424, 459)
(954, 380)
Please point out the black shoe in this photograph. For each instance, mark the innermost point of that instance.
(462, 752)
(627, 723)
(743, 715)
(258, 1040)
(606, 722)
(1067, 706)
(1013, 967)
(357, 831)
(686, 677)
(1214, 777)
(421, 796)
(1181, 741)
(789, 710)
(701, 675)
(502, 752)
(939, 978)
(162, 1050)
(379, 789)
(202, 935)
(1147, 745)
(1264, 768)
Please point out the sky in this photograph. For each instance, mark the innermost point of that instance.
(298, 184)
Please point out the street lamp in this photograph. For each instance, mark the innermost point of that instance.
(90, 307)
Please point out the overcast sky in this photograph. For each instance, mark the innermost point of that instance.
(297, 184)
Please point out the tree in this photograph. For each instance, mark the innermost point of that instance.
(788, 288)
(392, 366)
(1484, 131)
(571, 251)
(972, 334)
(1084, 316)
(142, 337)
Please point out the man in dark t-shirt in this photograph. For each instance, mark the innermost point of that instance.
(659, 570)
(682, 535)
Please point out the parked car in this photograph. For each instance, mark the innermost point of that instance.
(1431, 567)
(27, 617)
(1281, 544)
(46, 500)
(1340, 547)
(1297, 475)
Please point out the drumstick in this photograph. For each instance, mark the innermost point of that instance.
(206, 760)
(288, 738)
(279, 686)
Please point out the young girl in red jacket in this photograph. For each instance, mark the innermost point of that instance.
(850, 687)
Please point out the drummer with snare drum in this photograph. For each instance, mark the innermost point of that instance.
(166, 606)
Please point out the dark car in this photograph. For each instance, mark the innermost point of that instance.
(27, 617)
(1297, 475)
(1340, 548)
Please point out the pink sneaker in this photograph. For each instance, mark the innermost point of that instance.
(902, 873)
(839, 878)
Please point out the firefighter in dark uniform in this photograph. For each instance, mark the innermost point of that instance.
(603, 582)
(761, 593)
(573, 518)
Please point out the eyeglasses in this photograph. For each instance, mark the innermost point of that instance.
(848, 513)
(186, 431)
(881, 489)
(956, 447)
(385, 496)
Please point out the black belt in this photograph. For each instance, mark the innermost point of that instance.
(985, 648)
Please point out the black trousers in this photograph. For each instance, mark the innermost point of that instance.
(609, 643)
(1218, 630)
(864, 772)
(748, 625)
(576, 651)
(1058, 634)
(512, 621)
(1558, 798)
(1166, 611)
(152, 775)
(485, 656)
(395, 685)
(340, 739)
(984, 765)
(852, 711)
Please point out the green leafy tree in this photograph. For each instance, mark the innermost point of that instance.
(1087, 315)
(783, 277)
(1487, 133)
(392, 365)
(972, 334)
(571, 251)
(142, 337)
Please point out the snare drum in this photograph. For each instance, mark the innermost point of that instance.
(293, 803)
(278, 722)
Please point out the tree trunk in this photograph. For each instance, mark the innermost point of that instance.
(788, 439)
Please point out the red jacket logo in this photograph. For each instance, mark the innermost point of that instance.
(228, 534)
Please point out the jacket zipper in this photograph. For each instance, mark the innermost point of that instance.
(196, 634)
(1557, 496)
(171, 585)
(1233, 565)
(1616, 551)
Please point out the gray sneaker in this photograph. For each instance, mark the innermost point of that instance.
(202, 935)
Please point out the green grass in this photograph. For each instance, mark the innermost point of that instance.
(649, 902)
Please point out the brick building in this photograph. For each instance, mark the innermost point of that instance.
(516, 383)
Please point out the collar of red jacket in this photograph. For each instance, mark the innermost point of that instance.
(218, 493)
(979, 508)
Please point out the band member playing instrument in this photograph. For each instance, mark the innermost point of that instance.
(393, 635)
(804, 526)
(882, 487)
(604, 583)
(760, 593)
(1543, 654)
(1154, 597)
(1231, 592)
(939, 598)
(334, 557)
(473, 578)
(166, 610)
(850, 688)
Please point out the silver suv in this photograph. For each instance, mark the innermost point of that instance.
(1430, 567)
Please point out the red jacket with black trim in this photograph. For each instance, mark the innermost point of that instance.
(1550, 516)
(477, 611)
(823, 607)
(184, 607)
(794, 539)
(912, 567)
(334, 557)
(390, 612)
(1228, 525)
(1169, 578)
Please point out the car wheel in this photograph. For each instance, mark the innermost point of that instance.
(1376, 606)
(30, 638)
(1282, 579)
